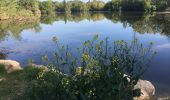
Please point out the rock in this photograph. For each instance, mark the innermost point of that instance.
(10, 65)
(39, 66)
(35, 65)
(147, 89)
(46, 69)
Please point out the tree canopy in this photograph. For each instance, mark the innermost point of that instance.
(113, 5)
(18, 8)
(13, 8)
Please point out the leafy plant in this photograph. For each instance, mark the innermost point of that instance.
(99, 71)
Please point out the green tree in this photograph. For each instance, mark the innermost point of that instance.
(18, 9)
(8, 8)
(67, 7)
(31, 5)
(77, 6)
(116, 4)
(46, 7)
(161, 4)
(58, 6)
(97, 5)
(148, 6)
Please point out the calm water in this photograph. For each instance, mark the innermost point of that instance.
(22, 41)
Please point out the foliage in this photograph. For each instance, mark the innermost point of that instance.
(130, 5)
(11, 85)
(78, 6)
(113, 5)
(10, 9)
(97, 72)
(31, 5)
(140, 22)
(46, 7)
(97, 5)
(13, 7)
(16, 28)
(161, 4)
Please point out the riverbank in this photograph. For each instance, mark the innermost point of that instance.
(14, 80)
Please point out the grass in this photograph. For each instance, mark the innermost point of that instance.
(12, 85)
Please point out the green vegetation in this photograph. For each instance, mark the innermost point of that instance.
(18, 9)
(16, 28)
(22, 9)
(30, 5)
(9, 84)
(46, 7)
(13, 85)
(99, 66)
(98, 5)
(140, 22)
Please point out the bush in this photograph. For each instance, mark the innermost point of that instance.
(97, 72)
(30, 73)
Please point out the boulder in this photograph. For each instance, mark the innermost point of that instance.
(147, 90)
(39, 66)
(10, 65)
(146, 87)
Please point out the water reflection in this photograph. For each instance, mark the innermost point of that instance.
(141, 23)
(2, 55)
(14, 29)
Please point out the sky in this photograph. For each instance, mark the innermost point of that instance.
(81, 0)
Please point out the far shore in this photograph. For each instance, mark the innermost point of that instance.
(29, 19)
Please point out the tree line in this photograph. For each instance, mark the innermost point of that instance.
(29, 8)
(99, 5)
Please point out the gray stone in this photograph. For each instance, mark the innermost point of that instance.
(10, 65)
(147, 89)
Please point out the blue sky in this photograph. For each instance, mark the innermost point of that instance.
(81, 0)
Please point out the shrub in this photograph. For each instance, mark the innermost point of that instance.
(30, 73)
(97, 72)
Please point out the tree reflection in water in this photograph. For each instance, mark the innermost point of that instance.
(140, 22)
(2, 55)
